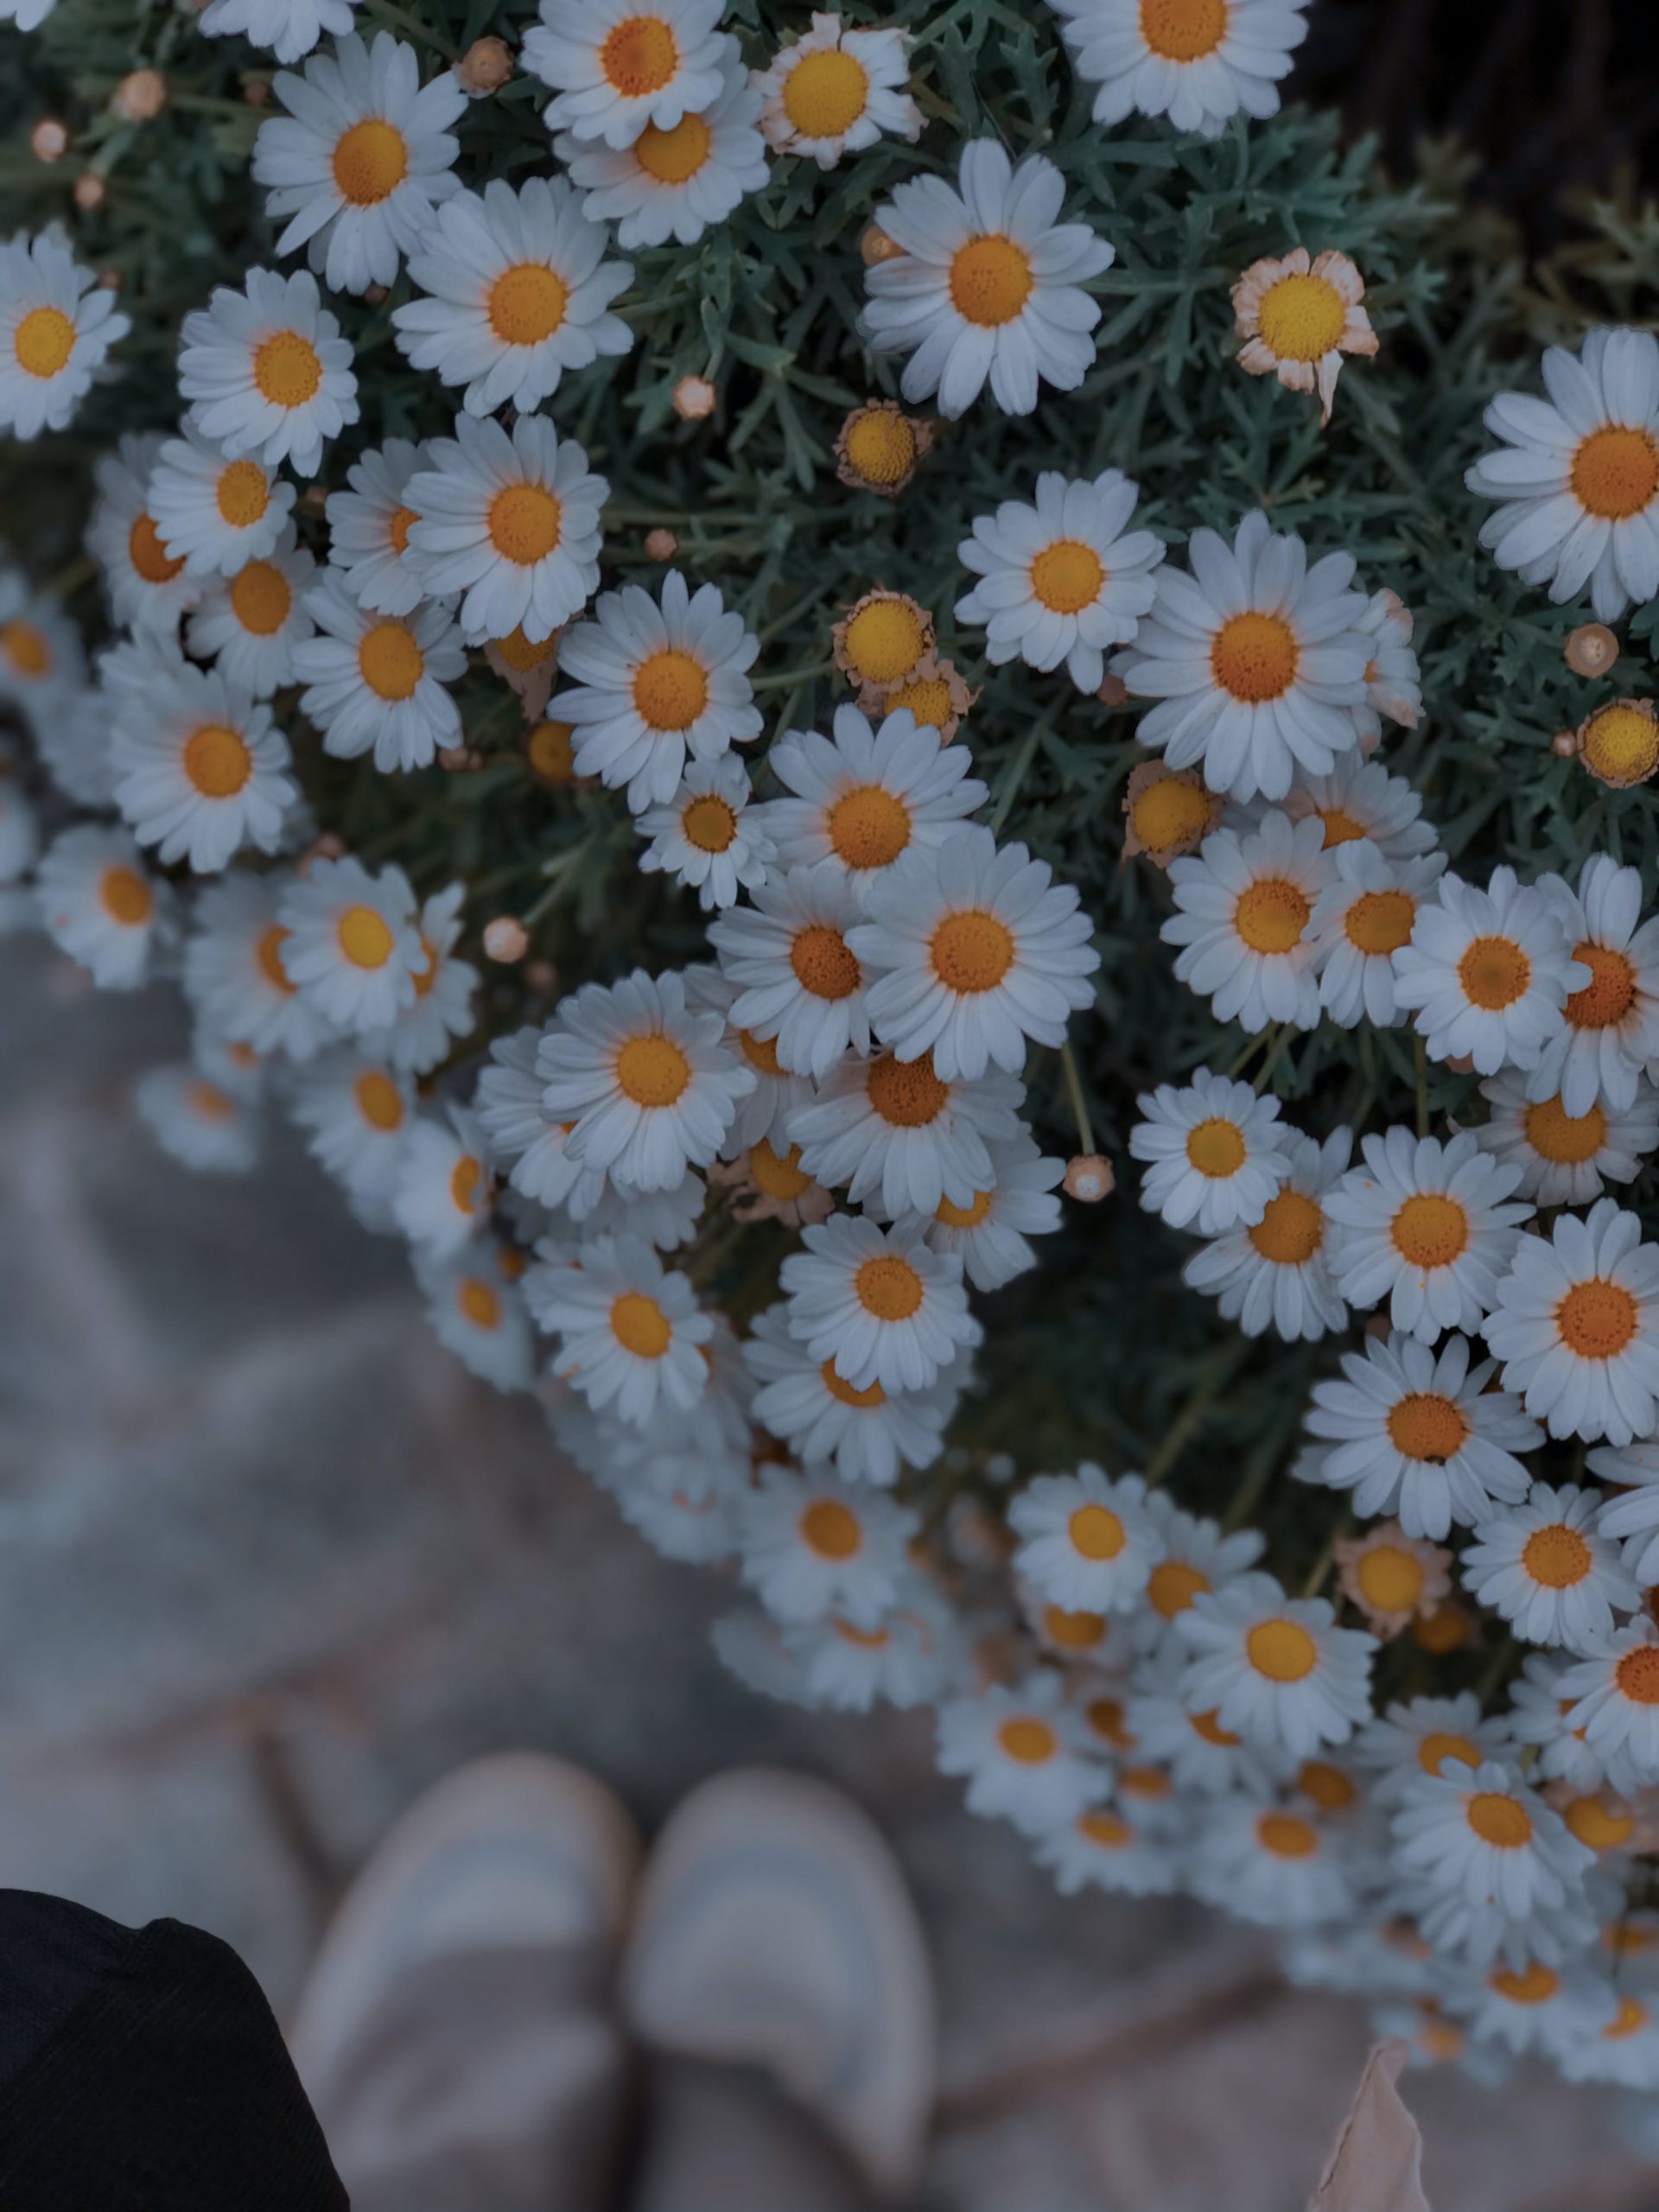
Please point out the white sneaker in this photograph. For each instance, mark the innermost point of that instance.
(774, 1927)
(457, 2035)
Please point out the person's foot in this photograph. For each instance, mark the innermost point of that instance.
(774, 1927)
(457, 2034)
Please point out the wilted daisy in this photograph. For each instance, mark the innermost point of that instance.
(1086, 1542)
(972, 949)
(511, 519)
(798, 982)
(423, 1031)
(1613, 1022)
(1256, 660)
(1429, 1736)
(1360, 798)
(518, 290)
(200, 769)
(369, 525)
(1244, 906)
(767, 1185)
(811, 1546)
(1416, 1434)
(678, 182)
(705, 836)
(865, 797)
(147, 587)
(1576, 1324)
(1275, 1670)
(234, 971)
(1578, 475)
(880, 643)
(632, 1334)
(199, 1123)
(249, 624)
(1217, 1153)
(57, 324)
(876, 1304)
(1105, 1849)
(287, 29)
(991, 1235)
(1196, 62)
(1275, 1272)
(440, 1191)
(267, 372)
(1542, 1566)
(1428, 1225)
(375, 682)
(653, 681)
(1359, 922)
(617, 67)
(1299, 316)
(1168, 812)
(988, 283)
(99, 903)
(1024, 1752)
(475, 1310)
(1064, 579)
(1480, 1838)
(836, 91)
(352, 944)
(213, 513)
(1273, 1865)
(868, 1435)
(1614, 1698)
(1566, 1159)
(1392, 1578)
(897, 1130)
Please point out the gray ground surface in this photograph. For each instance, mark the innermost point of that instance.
(270, 1563)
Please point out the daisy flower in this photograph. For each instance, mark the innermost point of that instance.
(972, 949)
(1086, 1541)
(356, 1114)
(518, 291)
(797, 978)
(1196, 62)
(475, 1311)
(1577, 478)
(1298, 317)
(988, 283)
(197, 1122)
(27, 15)
(647, 1080)
(1275, 1670)
(1576, 1324)
(1359, 798)
(369, 526)
(57, 324)
(352, 944)
(1614, 1697)
(440, 1191)
(679, 182)
(617, 67)
(1416, 1434)
(990, 1234)
(1482, 1837)
(234, 1067)
(74, 747)
(1196, 1557)
(421, 1031)
(881, 644)
(1275, 1272)
(654, 682)
(1427, 1225)
(666, 1218)
(1394, 690)
(1542, 1567)
(213, 513)
(147, 587)
(1537, 1720)
(895, 1130)
(1198, 1753)
(267, 372)
(1429, 1736)
(1243, 905)
(1217, 1153)
(1634, 1518)
(1566, 1159)
(868, 1435)
(288, 29)
(1256, 660)
(879, 448)
(1265, 1864)
(764, 1114)
(877, 1304)
(523, 1141)
(1107, 1850)
(771, 1186)
(511, 519)
(700, 837)
(1527, 2007)
(1623, 2048)
(632, 1334)
(100, 905)
(1168, 812)
(200, 769)
(1024, 1752)
(1359, 922)
(1393, 1579)
(234, 971)
(376, 683)
(866, 797)
(836, 91)
(1612, 1023)
(1064, 579)
(908, 1659)
(41, 657)
(1618, 744)
(249, 624)
(811, 1546)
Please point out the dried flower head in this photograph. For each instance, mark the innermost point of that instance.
(933, 692)
(1591, 649)
(1298, 317)
(881, 640)
(769, 1186)
(1619, 743)
(1089, 1178)
(1168, 812)
(1392, 1578)
(879, 447)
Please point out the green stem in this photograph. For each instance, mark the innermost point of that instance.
(1015, 776)
(1079, 1103)
(1221, 1366)
(1420, 1062)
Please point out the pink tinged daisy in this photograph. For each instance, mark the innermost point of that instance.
(631, 1335)
(200, 771)
(1566, 1159)
(421, 1032)
(1394, 690)
(213, 513)
(1614, 1697)
(1391, 1577)
(199, 1123)
(1633, 1518)
(1360, 922)
(1025, 1754)
(1105, 1849)
(1576, 1324)
(1243, 908)
(1256, 660)
(1611, 1028)
(868, 1435)
(706, 836)
(679, 182)
(364, 154)
(877, 1304)
(798, 983)
(648, 1082)
(1196, 62)
(1577, 478)
(1216, 1153)
(617, 67)
(377, 682)
(1543, 1566)
(268, 375)
(1273, 1670)
(1298, 318)
(357, 1116)
(352, 942)
(234, 971)
(369, 526)
(836, 91)
(896, 1131)
(1359, 798)
(1087, 1542)
(99, 903)
(476, 1312)
(1196, 1557)
(1481, 1838)
(1429, 1226)
(988, 283)
(1276, 1272)
(866, 797)
(57, 324)
(248, 625)
(287, 29)
(973, 948)
(654, 680)
(1274, 1865)
(991, 1235)
(1063, 579)
(510, 519)
(811, 1546)
(441, 1194)
(147, 587)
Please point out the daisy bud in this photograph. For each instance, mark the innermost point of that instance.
(507, 940)
(486, 66)
(1379, 1326)
(89, 193)
(256, 93)
(1565, 745)
(875, 245)
(694, 399)
(374, 294)
(1089, 1178)
(48, 141)
(1620, 743)
(1591, 649)
(1113, 692)
(314, 500)
(140, 95)
(328, 846)
(661, 545)
(1460, 1063)
(109, 280)
(543, 977)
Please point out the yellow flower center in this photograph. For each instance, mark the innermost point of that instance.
(1215, 1148)
(1603, 1003)
(652, 1070)
(1168, 813)
(370, 161)
(287, 368)
(844, 1392)
(969, 1217)
(1597, 1824)
(778, 1178)
(1429, 1230)
(378, 1101)
(1533, 1985)
(1566, 1139)
(527, 303)
(829, 1528)
(1494, 973)
(708, 824)
(1631, 2016)
(868, 827)
(1106, 1829)
(1340, 826)
(1073, 1631)
(670, 690)
(392, 663)
(823, 963)
(148, 555)
(398, 525)
(1183, 30)
(1067, 575)
(551, 752)
(1282, 1650)
(1285, 1836)
(1096, 1532)
(1616, 472)
(1428, 1427)
(1328, 1786)
(905, 1093)
(1029, 1742)
(526, 524)
(1301, 318)
(466, 1183)
(761, 1053)
(479, 1302)
(880, 445)
(971, 952)
(1173, 1587)
(1556, 1557)
(1621, 744)
(269, 952)
(1253, 657)
(1145, 1782)
(640, 1325)
(364, 937)
(1205, 1725)
(208, 1102)
(928, 700)
(1499, 1821)
(888, 1288)
(640, 56)
(863, 1639)
(125, 896)
(1438, 1747)
(521, 655)
(1290, 1231)
(1597, 1319)
(1105, 1717)
(673, 156)
(25, 648)
(242, 494)
(825, 93)
(261, 597)
(216, 761)
(43, 341)
(884, 639)
(1380, 922)
(991, 280)
(1389, 1578)
(1271, 915)
(1637, 1675)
